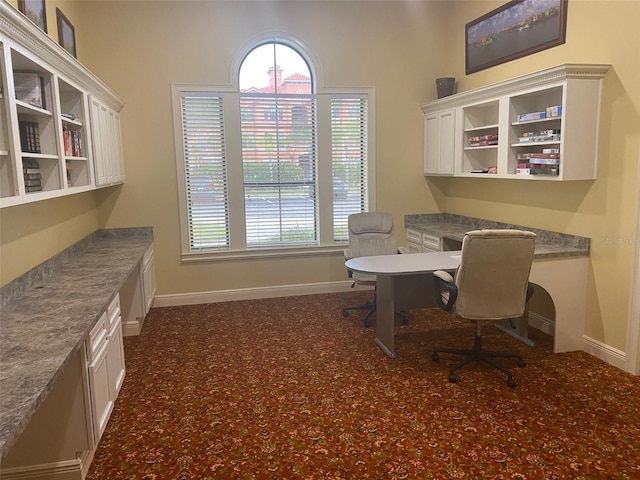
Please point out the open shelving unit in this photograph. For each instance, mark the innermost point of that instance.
(541, 126)
(48, 144)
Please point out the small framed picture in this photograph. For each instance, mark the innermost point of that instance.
(66, 33)
(35, 11)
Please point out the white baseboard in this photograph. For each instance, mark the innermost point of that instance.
(600, 350)
(66, 470)
(604, 352)
(253, 293)
(541, 323)
(132, 328)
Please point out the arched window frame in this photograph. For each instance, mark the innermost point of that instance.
(331, 233)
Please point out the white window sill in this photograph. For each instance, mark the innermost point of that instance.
(262, 253)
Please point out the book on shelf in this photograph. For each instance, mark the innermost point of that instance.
(34, 188)
(32, 176)
(29, 88)
(72, 140)
(31, 164)
(32, 183)
(29, 136)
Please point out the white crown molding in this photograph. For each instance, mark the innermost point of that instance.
(15, 27)
(549, 76)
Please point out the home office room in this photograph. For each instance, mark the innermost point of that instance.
(184, 181)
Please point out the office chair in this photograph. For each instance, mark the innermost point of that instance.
(491, 284)
(370, 233)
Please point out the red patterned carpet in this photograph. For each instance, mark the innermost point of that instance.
(289, 389)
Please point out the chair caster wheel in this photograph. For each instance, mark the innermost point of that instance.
(345, 313)
(453, 378)
(435, 357)
(367, 323)
(511, 382)
(522, 363)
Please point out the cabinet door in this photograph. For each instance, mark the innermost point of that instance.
(115, 359)
(447, 142)
(107, 146)
(439, 148)
(97, 127)
(117, 164)
(149, 280)
(100, 391)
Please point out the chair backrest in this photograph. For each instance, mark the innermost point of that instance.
(493, 276)
(371, 233)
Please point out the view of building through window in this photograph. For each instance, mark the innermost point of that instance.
(280, 169)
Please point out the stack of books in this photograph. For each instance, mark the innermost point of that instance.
(32, 176)
(545, 163)
(29, 136)
(72, 142)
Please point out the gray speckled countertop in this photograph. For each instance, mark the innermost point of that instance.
(47, 313)
(449, 226)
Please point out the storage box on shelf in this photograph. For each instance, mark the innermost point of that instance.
(46, 138)
(541, 126)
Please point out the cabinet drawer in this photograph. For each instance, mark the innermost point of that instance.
(414, 236)
(148, 256)
(431, 242)
(97, 337)
(113, 311)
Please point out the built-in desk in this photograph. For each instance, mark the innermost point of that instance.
(47, 316)
(559, 266)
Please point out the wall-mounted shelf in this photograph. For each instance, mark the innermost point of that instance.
(46, 135)
(541, 126)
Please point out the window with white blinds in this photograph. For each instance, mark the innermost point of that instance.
(279, 158)
(349, 143)
(205, 170)
(272, 167)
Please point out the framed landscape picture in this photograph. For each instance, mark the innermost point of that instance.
(35, 11)
(66, 33)
(516, 29)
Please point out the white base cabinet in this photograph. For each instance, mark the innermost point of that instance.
(541, 126)
(137, 294)
(105, 357)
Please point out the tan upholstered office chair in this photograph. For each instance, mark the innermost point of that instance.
(370, 233)
(491, 284)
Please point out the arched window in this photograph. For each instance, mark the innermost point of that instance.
(275, 164)
(280, 163)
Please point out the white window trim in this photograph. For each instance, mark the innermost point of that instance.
(234, 169)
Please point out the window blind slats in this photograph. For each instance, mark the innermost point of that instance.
(279, 156)
(349, 157)
(205, 170)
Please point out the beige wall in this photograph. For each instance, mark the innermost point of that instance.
(139, 48)
(157, 43)
(604, 210)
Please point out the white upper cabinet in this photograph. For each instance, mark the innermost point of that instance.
(46, 130)
(439, 145)
(542, 126)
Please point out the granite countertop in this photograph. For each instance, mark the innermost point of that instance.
(449, 226)
(48, 313)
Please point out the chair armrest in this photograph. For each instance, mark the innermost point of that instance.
(445, 289)
(403, 250)
(348, 254)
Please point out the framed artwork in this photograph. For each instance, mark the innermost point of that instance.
(66, 33)
(514, 30)
(34, 11)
